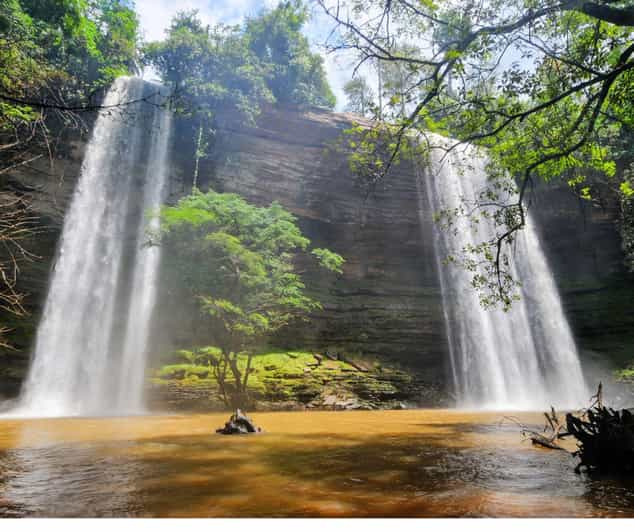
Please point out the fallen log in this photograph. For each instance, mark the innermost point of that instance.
(605, 437)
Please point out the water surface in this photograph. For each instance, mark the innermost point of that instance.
(420, 463)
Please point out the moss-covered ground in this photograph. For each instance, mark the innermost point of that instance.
(297, 379)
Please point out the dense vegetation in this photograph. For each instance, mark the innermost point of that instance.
(54, 56)
(238, 262)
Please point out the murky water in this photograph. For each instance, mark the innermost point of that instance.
(405, 463)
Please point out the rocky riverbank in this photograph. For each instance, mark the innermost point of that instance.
(295, 380)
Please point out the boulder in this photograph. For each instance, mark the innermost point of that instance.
(239, 423)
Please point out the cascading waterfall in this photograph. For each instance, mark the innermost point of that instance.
(90, 351)
(524, 358)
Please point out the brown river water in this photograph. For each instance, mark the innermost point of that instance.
(419, 463)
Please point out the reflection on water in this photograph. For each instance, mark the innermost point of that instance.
(411, 463)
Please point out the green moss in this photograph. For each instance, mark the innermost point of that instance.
(183, 371)
(299, 377)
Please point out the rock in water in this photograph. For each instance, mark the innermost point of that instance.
(239, 423)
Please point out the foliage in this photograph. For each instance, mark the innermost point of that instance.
(369, 150)
(238, 262)
(210, 69)
(296, 74)
(360, 96)
(546, 87)
(298, 376)
(626, 224)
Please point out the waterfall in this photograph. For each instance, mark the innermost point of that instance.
(91, 345)
(524, 358)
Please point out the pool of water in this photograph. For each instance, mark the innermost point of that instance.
(423, 463)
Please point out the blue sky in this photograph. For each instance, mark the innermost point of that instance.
(155, 16)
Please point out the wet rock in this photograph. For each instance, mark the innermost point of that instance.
(239, 423)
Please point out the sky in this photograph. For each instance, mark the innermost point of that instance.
(155, 16)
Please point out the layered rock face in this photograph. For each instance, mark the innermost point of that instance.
(387, 302)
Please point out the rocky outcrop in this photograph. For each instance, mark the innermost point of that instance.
(297, 381)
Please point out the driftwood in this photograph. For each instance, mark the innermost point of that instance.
(553, 432)
(605, 437)
(239, 423)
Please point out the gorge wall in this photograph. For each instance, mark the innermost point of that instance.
(387, 302)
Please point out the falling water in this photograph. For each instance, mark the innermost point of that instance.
(91, 344)
(524, 358)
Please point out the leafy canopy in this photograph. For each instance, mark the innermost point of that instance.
(239, 68)
(296, 74)
(239, 262)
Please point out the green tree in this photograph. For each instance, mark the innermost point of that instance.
(225, 74)
(211, 69)
(297, 74)
(238, 262)
(360, 96)
(215, 78)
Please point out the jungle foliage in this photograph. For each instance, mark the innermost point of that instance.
(239, 263)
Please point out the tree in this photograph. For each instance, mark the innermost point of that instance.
(546, 87)
(360, 96)
(238, 262)
(214, 77)
(297, 74)
(211, 70)
(396, 83)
